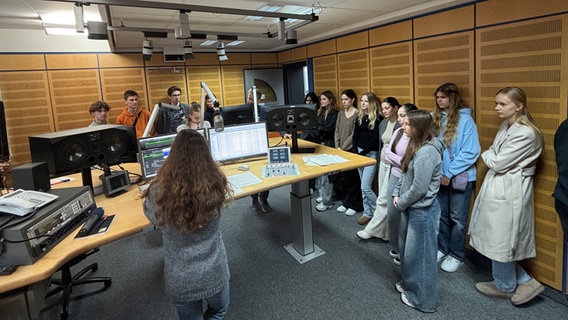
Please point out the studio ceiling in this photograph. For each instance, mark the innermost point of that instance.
(334, 17)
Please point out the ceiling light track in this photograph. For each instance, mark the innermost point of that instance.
(187, 7)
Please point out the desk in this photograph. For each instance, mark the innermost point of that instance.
(130, 218)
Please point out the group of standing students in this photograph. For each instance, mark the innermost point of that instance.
(426, 163)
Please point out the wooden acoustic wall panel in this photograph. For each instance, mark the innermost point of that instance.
(72, 92)
(237, 59)
(71, 61)
(284, 56)
(354, 41)
(233, 85)
(442, 59)
(444, 22)
(160, 79)
(322, 48)
(395, 32)
(264, 59)
(120, 60)
(533, 56)
(500, 11)
(353, 72)
(19, 62)
(391, 71)
(325, 74)
(115, 81)
(297, 54)
(28, 110)
(211, 76)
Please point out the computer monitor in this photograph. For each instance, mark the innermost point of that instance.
(4, 149)
(238, 114)
(152, 153)
(238, 142)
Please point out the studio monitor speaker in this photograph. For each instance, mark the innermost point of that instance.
(291, 117)
(71, 150)
(31, 176)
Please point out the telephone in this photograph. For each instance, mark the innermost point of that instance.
(16, 206)
(21, 202)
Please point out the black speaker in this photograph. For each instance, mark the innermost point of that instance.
(291, 117)
(71, 150)
(31, 176)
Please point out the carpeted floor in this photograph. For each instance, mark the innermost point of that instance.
(353, 280)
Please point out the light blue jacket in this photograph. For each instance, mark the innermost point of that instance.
(465, 147)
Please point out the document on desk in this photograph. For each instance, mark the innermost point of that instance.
(244, 179)
(324, 160)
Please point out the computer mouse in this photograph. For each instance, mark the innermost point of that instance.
(243, 167)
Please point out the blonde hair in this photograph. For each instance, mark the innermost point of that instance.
(372, 111)
(523, 116)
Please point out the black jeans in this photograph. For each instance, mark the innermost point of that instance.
(263, 196)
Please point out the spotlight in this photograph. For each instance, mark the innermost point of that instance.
(188, 50)
(291, 37)
(183, 31)
(221, 56)
(147, 50)
(97, 30)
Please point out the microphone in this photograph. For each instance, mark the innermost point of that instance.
(91, 221)
(218, 122)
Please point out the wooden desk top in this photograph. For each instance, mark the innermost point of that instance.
(130, 218)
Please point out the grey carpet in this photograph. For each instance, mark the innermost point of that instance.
(353, 280)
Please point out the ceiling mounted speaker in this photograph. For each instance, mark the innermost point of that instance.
(291, 118)
(75, 149)
(97, 30)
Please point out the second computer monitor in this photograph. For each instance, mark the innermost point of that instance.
(239, 142)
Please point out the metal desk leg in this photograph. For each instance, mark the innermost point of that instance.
(303, 248)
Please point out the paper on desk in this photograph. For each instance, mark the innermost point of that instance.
(244, 179)
(323, 160)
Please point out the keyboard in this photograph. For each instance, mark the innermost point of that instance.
(280, 170)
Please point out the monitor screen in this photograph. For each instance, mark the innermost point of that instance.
(152, 153)
(4, 149)
(239, 142)
(238, 114)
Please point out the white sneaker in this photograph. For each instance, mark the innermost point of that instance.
(398, 287)
(451, 264)
(441, 256)
(319, 199)
(350, 212)
(322, 207)
(341, 209)
(405, 300)
(393, 254)
(396, 261)
(363, 235)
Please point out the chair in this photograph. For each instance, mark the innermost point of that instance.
(67, 281)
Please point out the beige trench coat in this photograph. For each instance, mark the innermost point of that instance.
(502, 222)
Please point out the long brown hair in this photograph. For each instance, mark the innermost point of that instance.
(333, 104)
(421, 123)
(190, 188)
(451, 91)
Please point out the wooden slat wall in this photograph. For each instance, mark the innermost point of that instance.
(233, 85)
(443, 59)
(72, 92)
(212, 77)
(391, 71)
(158, 82)
(353, 72)
(115, 81)
(28, 110)
(531, 55)
(325, 74)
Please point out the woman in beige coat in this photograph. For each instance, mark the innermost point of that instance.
(502, 222)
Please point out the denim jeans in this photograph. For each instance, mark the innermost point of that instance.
(393, 214)
(454, 207)
(418, 245)
(217, 307)
(506, 275)
(367, 175)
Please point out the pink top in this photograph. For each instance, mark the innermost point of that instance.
(395, 158)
